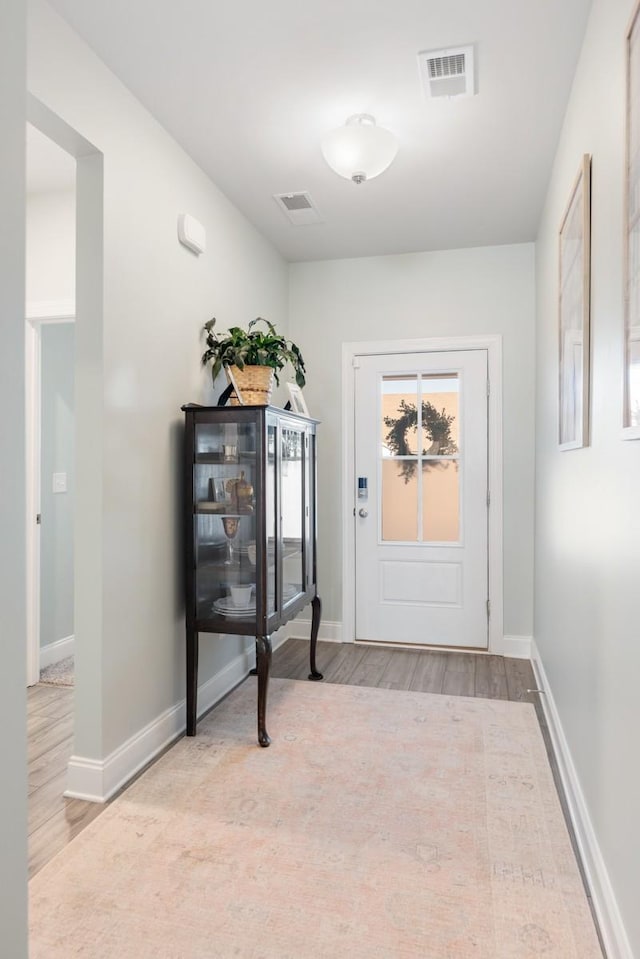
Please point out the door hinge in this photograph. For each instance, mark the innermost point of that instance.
(488, 609)
(355, 362)
(488, 497)
(488, 387)
(38, 519)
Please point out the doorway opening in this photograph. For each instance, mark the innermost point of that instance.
(63, 327)
(50, 374)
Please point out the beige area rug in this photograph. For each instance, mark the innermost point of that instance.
(378, 825)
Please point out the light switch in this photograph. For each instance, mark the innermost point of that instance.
(59, 482)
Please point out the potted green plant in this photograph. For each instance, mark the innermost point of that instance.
(253, 358)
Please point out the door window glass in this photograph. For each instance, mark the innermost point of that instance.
(440, 501)
(399, 415)
(419, 491)
(400, 500)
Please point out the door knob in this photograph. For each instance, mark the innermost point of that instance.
(363, 512)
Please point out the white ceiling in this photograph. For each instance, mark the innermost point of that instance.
(249, 88)
(49, 167)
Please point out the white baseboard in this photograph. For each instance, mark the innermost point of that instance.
(54, 652)
(612, 928)
(97, 780)
(301, 629)
(516, 647)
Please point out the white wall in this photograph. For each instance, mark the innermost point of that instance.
(454, 293)
(587, 504)
(51, 247)
(13, 680)
(157, 295)
(57, 455)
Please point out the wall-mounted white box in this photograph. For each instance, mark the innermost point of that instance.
(191, 233)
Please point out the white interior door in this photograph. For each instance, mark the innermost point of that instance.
(422, 498)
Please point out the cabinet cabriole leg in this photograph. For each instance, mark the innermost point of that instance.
(316, 612)
(192, 681)
(254, 671)
(263, 649)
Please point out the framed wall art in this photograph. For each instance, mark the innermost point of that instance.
(296, 398)
(631, 392)
(574, 260)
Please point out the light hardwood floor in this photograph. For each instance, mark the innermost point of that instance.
(53, 820)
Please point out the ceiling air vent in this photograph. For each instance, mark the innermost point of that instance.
(298, 207)
(448, 73)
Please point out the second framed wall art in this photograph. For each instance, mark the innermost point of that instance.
(574, 313)
(631, 411)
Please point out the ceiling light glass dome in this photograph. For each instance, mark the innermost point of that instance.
(359, 150)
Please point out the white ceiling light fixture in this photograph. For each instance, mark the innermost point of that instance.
(359, 150)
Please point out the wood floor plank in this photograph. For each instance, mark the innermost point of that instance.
(289, 660)
(459, 675)
(343, 665)
(458, 683)
(50, 763)
(491, 678)
(46, 801)
(428, 676)
(53, 820)
(326, 654)
(54, 834)
(458, 662)
(55, 708)
(332, 664)
(37, 723)
(44, 698)
(368, 671)
(46, 739)
(289, 650)
(399, 670)
(520, 677)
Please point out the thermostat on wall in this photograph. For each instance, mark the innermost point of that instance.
(191, 233)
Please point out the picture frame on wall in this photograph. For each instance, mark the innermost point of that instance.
(574, 308)
(631, 386)
(297, 400)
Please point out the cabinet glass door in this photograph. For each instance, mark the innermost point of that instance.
(309, 507)
(270, 514)
(292, 450)
(225, 520)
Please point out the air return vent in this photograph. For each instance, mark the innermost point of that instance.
(298, 207)
(448, 73)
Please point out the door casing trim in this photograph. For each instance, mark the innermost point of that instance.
(492, 343)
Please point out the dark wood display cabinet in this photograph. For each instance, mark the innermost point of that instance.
(250, 522)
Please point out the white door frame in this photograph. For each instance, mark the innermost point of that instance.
(37, 316)
(492, 343)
